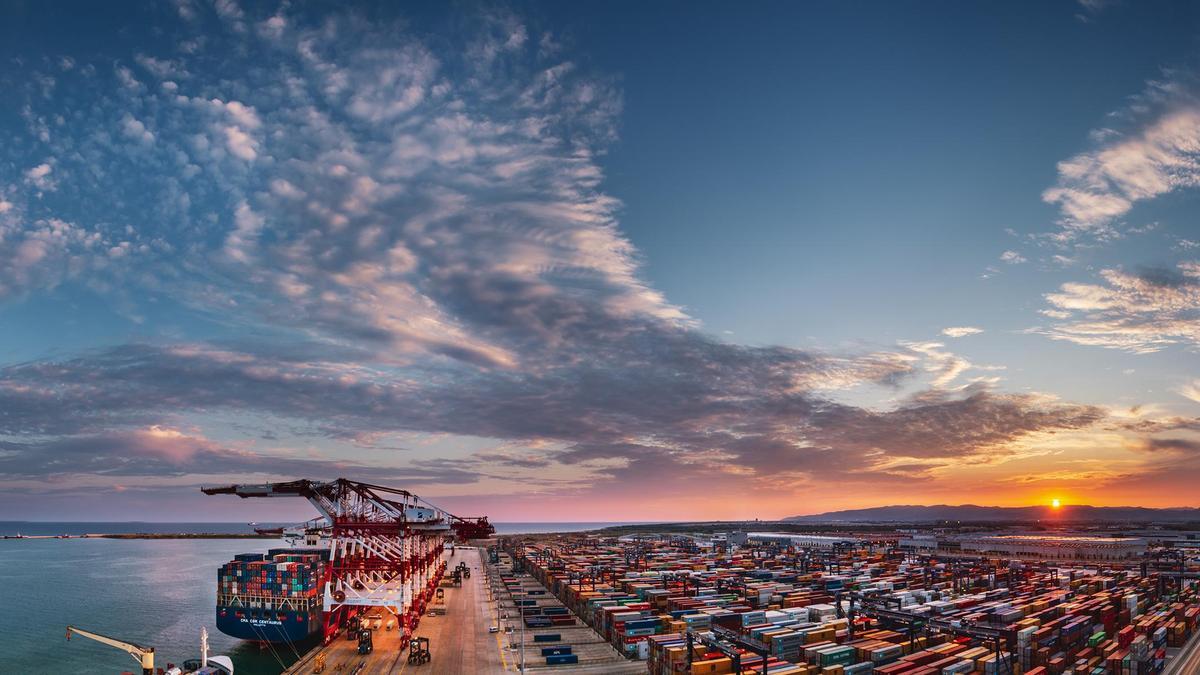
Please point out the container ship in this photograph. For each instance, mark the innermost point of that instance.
(272, 597)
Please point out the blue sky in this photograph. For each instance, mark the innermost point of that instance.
(552, 255)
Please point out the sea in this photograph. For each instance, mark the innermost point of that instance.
(155, 592)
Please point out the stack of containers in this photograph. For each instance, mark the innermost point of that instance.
(270, 598)
(1060, 624)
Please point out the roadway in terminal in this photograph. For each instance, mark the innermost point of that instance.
(459, 640)
(596, 656)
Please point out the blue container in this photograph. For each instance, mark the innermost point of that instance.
(555, 651)
(547, 637)
(562, 659)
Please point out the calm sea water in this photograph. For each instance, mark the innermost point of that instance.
(152, 592)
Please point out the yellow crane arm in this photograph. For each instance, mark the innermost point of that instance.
(143, 655)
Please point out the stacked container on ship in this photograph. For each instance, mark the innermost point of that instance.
(274, 597)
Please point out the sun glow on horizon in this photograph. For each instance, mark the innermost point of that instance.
(1055, 503)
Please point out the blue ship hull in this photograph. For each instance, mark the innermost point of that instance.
(268, 626)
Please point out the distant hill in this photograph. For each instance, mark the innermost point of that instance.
(973, 513)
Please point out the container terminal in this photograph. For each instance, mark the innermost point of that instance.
(791, 604)
(385, 583)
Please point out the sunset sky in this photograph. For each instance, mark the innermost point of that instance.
(599, 261)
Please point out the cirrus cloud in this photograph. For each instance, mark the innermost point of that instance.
(1139, 312)
(1159, 155)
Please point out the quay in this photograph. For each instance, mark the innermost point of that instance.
(460, 640)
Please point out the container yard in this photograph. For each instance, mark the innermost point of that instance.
(541, 632)
(684, 605)
(385, 583)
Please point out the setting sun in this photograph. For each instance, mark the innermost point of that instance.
(1054, 503)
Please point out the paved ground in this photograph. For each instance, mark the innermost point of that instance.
(461, 644)
(342, 657)
(459, 640)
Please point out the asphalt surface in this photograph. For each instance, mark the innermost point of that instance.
(459, 641)
(461, 644)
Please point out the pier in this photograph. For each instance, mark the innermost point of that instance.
(460, 640)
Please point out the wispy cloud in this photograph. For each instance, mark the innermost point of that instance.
(1139, 312)
(961, 331)
(1159, 155)
(1093, 7)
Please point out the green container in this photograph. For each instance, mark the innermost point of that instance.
(837, 657)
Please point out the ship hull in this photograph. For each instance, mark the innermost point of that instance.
(268, 627)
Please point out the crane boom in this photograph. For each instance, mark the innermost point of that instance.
(143, 655)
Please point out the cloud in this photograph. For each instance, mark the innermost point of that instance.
(1012, 258)
(240, 143)
(1093, 7)
(1138, 312)
(42, 253)
(944, 365)
(675, 402)
(186, 8)
(136, 130)
(1097, 187)
(240, 243)
(411, 236)
(1178, 446)
(1191, 390)
(161, 452)
(161, 68)
(40, 177)
(961, 331)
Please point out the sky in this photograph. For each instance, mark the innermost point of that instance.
(599, 261)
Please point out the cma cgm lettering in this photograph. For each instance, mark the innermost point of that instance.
(272, 597)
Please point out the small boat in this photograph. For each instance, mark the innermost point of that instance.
(205, 665)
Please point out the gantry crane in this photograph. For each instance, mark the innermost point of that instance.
(143, 655)
(385, 544)
(730, 644)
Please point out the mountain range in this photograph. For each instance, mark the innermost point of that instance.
(974, 513)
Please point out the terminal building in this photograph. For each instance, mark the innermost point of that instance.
(787, 539)
(1031, 546)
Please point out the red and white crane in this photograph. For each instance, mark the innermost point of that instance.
(385, 544)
